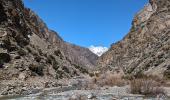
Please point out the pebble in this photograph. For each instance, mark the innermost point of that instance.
(91, 96)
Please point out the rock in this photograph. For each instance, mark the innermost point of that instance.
(4, 58)
(73, 97)
(91, 96)
(78, 97)
(22, 76)
(116, 98)
(6, 67)
(3, 34)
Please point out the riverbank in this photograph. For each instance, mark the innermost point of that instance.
(105, 93)
(77, 88)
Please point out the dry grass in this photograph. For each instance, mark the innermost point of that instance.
(107, 79)
(146, 86)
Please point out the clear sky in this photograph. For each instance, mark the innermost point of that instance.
(88, 22)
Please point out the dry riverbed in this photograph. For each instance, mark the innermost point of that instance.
(109, 93)
(78, 88)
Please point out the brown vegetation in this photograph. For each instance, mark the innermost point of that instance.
(146, 86)
(107, 79)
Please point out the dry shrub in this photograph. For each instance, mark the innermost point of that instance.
(146, 86)
(90, 84)
(106, 79)
(158, 79)
(109, 79)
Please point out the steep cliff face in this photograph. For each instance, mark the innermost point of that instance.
(30, 51)
(76, 54)
(146, 48)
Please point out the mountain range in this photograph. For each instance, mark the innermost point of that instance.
(33, 56)
(30, 50)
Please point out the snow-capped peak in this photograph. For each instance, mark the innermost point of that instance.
(98, 50)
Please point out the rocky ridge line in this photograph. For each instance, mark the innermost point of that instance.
(146, 48)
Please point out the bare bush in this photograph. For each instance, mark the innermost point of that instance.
(146, 87)
(108, 79)
(90, 84)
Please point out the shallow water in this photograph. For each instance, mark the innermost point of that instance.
(119, 93)
(66, 97)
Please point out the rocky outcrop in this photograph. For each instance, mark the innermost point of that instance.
(32, 55)
(146, 48)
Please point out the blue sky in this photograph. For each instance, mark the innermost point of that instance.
(88, 22)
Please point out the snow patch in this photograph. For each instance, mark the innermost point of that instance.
(98, 50)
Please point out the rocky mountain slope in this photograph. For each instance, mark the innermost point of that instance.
(146, 48)
(33, 55)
